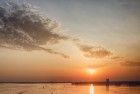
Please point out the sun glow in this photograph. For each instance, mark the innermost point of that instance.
(91, 70)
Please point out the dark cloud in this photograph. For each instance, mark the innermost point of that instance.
(93, 51)
(116, 58)
(21, 27)
(131, 63)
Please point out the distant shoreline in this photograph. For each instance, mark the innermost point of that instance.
(116, 83)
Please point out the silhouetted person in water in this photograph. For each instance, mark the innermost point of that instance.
(107, 82)
(107, 86)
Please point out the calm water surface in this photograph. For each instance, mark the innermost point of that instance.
(65, 89)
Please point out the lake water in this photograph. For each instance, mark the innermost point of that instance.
(65, 89)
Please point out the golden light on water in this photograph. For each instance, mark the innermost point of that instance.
(91, 90)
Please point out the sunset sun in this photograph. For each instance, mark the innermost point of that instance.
(91, 71)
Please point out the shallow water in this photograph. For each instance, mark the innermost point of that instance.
(64, 89)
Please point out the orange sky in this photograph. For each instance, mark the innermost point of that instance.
(79, 35)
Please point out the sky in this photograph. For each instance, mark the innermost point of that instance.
(61, 40)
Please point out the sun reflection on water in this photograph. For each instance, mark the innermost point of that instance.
(91, 90)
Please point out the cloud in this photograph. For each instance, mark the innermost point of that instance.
(21, 27)
(130, 63)
(117, 58)
(93, 51)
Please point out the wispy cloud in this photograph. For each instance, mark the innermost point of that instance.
(23, 28)
(131, 63)
(93, 51)
(117, 57)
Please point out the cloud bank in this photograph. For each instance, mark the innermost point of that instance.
(23, 28)
(131, 63)
(93, 51)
